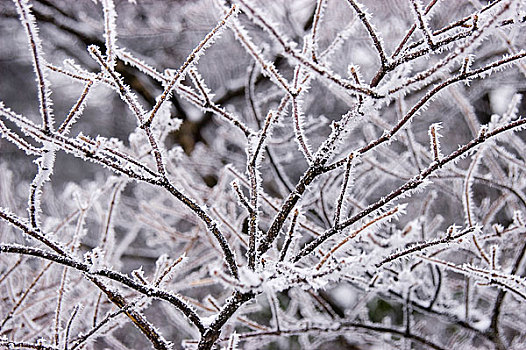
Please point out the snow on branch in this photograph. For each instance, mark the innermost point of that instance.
(296, 184)
(35, 44)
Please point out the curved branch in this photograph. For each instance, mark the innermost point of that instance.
(152, 292)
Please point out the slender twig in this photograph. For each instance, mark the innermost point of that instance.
(250, 94)
(191, 60)
(110, 35)
(412, 29)
(340, 327)
(318, 15)
(26, 345)
(82, 338)
(68, 326)
(372, 32)
(422, 24)
(495, 278)
(142, 323)
(126, 94)
(496, 312)
(355, 233)
(288, 239)
(44, 94)
(115, 276)
(76, 110)
(209, 105)
(435, 145)
(345, 183)
(18, 141)
(419, 247)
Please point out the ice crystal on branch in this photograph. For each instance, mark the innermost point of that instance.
(296, 174)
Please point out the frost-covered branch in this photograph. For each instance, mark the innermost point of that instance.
(289, 176)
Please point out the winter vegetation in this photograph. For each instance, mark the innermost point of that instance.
(262, 174)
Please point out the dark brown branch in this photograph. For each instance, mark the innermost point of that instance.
(113, 275)
(372, 33)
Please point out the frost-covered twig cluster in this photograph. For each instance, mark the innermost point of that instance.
(354, 177)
